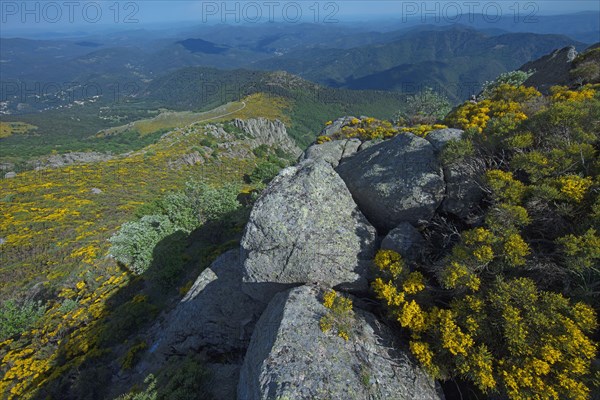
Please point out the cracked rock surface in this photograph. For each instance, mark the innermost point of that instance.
(332, 152)
(289, 357)
(397, 180)
(463, 193)
(306, 228)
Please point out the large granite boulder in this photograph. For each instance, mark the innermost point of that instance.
(306, 228)
(396, 180)
(405, 240)
(463, 191)
(332, 152)
(289, 357)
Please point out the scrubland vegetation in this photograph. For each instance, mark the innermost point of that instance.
(510, 303)
(92, 253)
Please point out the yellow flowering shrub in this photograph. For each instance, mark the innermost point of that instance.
(457, 274)
(339, 316)
(515, 250)
(562, 93)
(581, 251)
(366, 129)
(493, 310)
(323, 139)
(423, 129)
(414, 283)
(424, 355)
(509, 337)
(390, 261)
(504, 186)
(505, 101)
(574, 187)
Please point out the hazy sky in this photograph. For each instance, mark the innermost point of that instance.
(65, 15)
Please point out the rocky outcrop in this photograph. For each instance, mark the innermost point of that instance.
(190, 159)
(398, 180)
(405, 240)
(62, 160)
(289, 357)
(336, 126)
(463, 192)
(254, 314)
(306, 228)
(332, 152)
(270, 133)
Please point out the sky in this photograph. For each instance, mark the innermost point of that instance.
(71, 15)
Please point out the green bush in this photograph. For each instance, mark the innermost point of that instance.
(16, 318)
(208, 141)
(425, 107)
(212, 203)
(261, 151)
(177, 206)
(134, 243)
(168, 258)
(185, 379)
(264, 172)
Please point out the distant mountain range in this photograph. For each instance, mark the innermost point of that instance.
(454, 59)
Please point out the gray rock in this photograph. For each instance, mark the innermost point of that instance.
(463, 192)
(271, 133)
(62, 160)
(394, 181)
(10, 175)
(440, 137)
(332, 152)
(215, 315)
(405, 240)
(306, 228)
(193, 158)
(369, 143)
(96, 190)
(336, 126)
(289, 357)
(6, 166)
